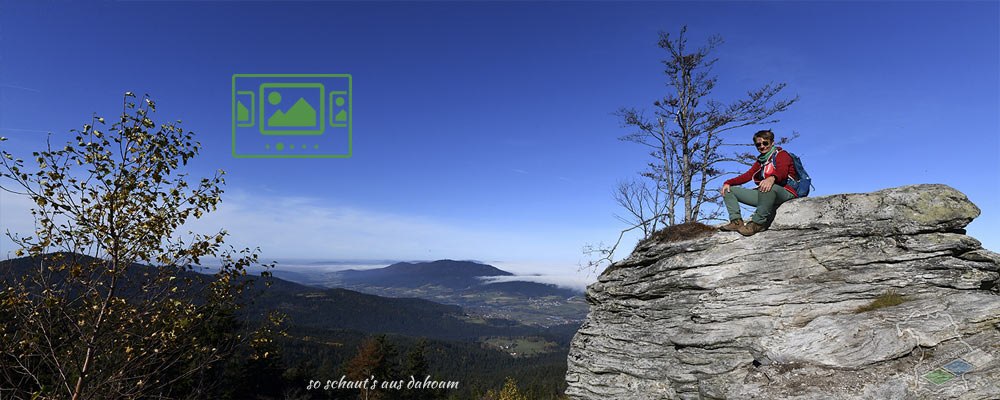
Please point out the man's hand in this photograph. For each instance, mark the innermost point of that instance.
(725, 188)
(765, 185)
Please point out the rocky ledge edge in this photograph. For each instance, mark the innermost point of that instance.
(775, 315)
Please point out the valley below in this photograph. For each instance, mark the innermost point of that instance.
(542, 311)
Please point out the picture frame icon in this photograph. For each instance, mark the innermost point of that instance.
(292, 116)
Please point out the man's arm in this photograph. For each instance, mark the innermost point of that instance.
(739, 180)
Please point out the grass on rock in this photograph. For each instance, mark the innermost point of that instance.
(679, 232)
(887, 299)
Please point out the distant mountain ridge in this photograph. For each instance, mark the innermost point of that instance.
(448, 273)
(471, 285)
(457, 276)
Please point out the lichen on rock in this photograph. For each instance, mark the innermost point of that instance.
(774, 315)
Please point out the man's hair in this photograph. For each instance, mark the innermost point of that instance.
(766, 134)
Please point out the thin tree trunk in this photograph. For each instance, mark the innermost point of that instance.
(107, 299)
(685, 122)
(704, 174)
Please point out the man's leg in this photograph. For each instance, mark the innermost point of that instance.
(737, 195)
(781, 195)
(768, 202)
(765, 203)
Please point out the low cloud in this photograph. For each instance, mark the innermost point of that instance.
(572, 282)
(562, 274)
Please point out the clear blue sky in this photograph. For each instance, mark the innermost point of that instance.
(484, 130)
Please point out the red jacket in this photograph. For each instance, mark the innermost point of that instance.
(781, 169)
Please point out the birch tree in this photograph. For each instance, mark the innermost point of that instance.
(106, 304)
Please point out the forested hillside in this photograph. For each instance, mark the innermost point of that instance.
(325, 330)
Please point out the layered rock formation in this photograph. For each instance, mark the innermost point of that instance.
(775, 315)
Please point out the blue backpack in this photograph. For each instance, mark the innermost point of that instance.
(803, 184)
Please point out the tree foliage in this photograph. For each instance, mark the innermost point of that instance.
(369, 363)
(112, 307)
(508, 392)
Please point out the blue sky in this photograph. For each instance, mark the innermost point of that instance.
(484, 130)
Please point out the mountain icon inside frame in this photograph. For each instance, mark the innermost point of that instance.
(301, 114)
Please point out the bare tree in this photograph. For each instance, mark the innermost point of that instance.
(687, 132)
(642, 203)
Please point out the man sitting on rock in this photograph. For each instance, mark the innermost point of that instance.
(772, 166)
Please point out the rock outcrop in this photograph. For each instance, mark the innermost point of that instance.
(776, 315)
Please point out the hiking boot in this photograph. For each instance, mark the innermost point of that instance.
(733, 225)
(750, 228)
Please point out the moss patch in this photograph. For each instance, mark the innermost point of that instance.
(679, 232)
(888, 299)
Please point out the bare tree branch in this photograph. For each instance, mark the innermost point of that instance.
(686, 133)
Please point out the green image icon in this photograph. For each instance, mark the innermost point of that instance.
(244, 117)
(292, 116)
(242, 113)
(338, 112)
(301, 114)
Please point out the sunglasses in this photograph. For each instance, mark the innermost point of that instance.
(762, 144)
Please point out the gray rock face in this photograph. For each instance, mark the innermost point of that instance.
(775, 315)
